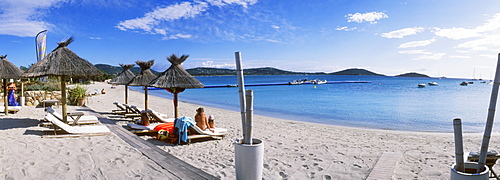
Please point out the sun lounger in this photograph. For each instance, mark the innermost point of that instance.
(218, 132)
(76, 130)
(121, 109)
(131, 112)
(74, 118)
(157, 117)
(14, 109)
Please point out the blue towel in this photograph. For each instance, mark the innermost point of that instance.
(12, 99)
(182, 124)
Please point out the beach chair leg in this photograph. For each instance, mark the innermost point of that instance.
(493, 174)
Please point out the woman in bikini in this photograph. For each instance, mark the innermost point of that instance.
(201, 119)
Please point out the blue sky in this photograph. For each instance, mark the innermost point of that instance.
(439, 38)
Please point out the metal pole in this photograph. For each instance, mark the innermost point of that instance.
(489, 121)
(5, 100)
(459, 148)
(241, 90)
(247, 139)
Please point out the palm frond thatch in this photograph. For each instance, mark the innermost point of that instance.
(175, 76)
(145, 76)
(124, 77)
(62, 62)
(9, 70)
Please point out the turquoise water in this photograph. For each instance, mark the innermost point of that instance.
(394, 103)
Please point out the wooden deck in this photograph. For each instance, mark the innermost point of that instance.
(384, 168)
(178, 168)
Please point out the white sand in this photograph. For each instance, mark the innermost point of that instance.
(293, 150)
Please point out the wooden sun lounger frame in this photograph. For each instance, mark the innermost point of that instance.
(72, 121)
(57, 124)
(131, 112)
(156, 117)
(121, 109)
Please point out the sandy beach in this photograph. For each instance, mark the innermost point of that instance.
(293, 150)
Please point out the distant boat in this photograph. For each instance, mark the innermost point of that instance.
(295, 82)
(464, 83)
(433, 84)
(421, 85)
(471, 82)
(317, 81)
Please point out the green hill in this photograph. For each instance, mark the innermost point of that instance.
(357, 72)
(203, 71)
(412, 74)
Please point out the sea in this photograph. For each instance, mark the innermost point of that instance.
(378, 102)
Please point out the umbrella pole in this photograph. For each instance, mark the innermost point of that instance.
(489, 121)
(63, 96)
(146, 97)
(176, 108)
(126, 94)
(5, 100)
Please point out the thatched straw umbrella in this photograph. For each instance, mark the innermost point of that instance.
(64, 63)
(8, 71)
(175, 79)
(123, 78)
(143, 78)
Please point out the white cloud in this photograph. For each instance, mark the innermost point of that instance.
(275, 27)
(243, 3)
(414, 52)
(459, 57)
(178, 36)
(456, 33)
(212, 64)
(273, 41)
(345, 28)
(432, 56)
(169, 13)
(423, 55)
(184, 10)
(403, 32)
(19, 17)
(96, 38)
(371, 17)
(417, 43)
(490, 56)
(489, 42)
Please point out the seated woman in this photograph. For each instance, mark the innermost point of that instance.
(211, 122)
(201, 119)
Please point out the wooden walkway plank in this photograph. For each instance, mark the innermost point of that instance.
(384, 168)
(178, 168)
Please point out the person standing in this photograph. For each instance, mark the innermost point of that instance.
(11, 96)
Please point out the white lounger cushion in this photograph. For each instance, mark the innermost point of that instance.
(76, 129)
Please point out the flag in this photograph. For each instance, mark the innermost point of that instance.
(40, 41)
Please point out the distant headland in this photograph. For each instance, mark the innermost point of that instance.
(204, 71)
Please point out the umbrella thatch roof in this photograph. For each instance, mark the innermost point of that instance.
(62, 62)
(9, 70)
(145, 76)
(124, 77)
(176, 76)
